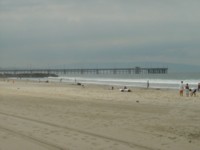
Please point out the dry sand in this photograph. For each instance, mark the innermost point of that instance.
(59, 116)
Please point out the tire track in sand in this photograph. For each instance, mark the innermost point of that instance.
(131, 144)
(29, 138)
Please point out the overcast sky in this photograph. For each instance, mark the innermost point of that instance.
(82, 33)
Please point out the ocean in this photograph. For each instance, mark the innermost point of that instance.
(166, 81)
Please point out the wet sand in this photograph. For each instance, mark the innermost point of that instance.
(60, 116)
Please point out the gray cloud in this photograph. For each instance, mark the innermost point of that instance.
(43, 32)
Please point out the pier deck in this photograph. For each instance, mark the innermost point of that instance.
(136, 70)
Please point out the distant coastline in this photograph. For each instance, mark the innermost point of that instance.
(28, 75)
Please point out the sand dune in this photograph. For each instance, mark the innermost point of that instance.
(69, 117)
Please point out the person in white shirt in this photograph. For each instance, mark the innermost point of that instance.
(181, 88)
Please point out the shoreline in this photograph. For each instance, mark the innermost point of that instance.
(116, 86)
(170, 81)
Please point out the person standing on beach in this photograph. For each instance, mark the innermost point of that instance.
(181, 88)
(147, 84)
(198, 86)
(187, 90)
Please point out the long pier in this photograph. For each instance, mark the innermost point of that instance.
(136, 70)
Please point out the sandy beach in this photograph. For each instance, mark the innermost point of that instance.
(61, 116)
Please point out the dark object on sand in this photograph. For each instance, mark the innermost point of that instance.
(78, 83)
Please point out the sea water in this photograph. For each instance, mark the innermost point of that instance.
(167, 81)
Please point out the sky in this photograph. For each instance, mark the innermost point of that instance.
(99, 33)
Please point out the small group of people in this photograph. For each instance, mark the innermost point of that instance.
(188, 90)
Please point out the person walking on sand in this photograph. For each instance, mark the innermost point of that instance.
(181, 88)
(187, 89)
(193, 92)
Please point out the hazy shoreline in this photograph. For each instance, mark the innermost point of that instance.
(27, 75)
(166, 81)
